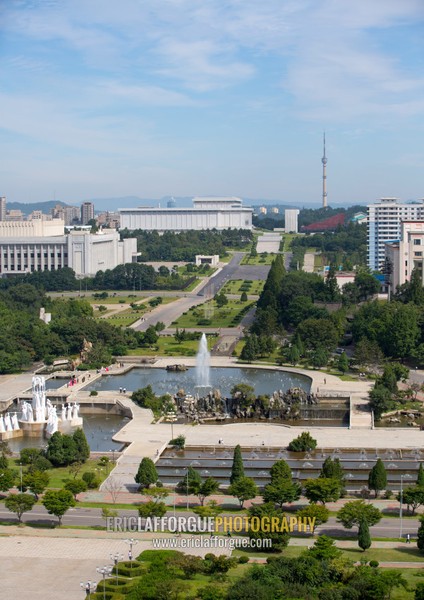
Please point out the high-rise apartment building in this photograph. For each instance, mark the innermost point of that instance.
(291, 216)
(406, 254)
(87, 212)
(2, 208)
(385, 219)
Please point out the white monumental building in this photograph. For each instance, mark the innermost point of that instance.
(207, 213)
(291, 216)
(406, 254)
(384, 225)
(38, 245)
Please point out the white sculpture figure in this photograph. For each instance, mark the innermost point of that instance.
(15, 424)
(30, 417)
(69, 413)
(24, 411)
(7, 422)
(63, 413)
(49, 405)
(39, 398)
(52, 421)
(75, 410)
(2, 428)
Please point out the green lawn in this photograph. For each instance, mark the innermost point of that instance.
(253, 287)
(288, 239)
(261, 259)
(59, 475)
(167, 346)
(209, 315)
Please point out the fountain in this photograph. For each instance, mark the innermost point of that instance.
(203, 365)
(39, 417)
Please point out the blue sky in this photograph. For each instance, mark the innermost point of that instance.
(100, 98)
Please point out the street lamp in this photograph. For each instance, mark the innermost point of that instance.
(116, 558)
(89, 587)
(402, 477)
(171, 417)
(104, 572)
(132, 542)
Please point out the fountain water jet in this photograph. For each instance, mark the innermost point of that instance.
(203, 364)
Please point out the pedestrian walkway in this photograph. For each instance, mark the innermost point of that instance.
(268, 242)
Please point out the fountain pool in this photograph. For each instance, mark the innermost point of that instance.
(264, 381)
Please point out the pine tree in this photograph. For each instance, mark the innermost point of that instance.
(420, 535)
(420, 476)
(237, 469)
(343, 363)
(364, 538)
(146, 474)
(332, 469)
(82, 447)
(377, 479)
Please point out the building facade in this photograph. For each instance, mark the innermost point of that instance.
(87, 212)
(384, 222)
(406, 254)
(2, 208)
(291, 217)
(82, 251)
(207, 213)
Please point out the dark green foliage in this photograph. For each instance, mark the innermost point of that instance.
(281, 489)
(82, 447)
(333, 469)
(420, 476)
(76, 486)
(364, 538)
(243, 488)
(36, 482)
(419, 591)
(152, 509)
(243, 297)
(146, 398)
(19, 504)
(146, 474)
(179, 442)
(322, 490)
(314, 511)
(7, 479)
(343, 363)
(58, 502)
(303, 443)
(29, 455)
(413, 497)
(279, 539)
(420, 535)
(237, 469)
(90, 479)
(377, 479)
(357, 511)
(324, 548)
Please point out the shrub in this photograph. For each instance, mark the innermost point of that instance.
(91, 480)
(243, 560)
(94, 393)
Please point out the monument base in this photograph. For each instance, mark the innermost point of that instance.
(10, 435)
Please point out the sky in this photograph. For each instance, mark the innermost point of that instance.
(154, 98)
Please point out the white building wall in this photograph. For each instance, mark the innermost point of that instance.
(30, 229)
(291, 216)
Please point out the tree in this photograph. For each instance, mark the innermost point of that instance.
(19, 504)
(152, 509)
(356, 511)
(343, 363)
(243, 297)
(278, 538)
(82, 452)
(36, 482)
(221, 300)
(324, 548)
(319, 357)
(191, 482)
(319, 514)
(7, 479)
(419, 591)
(237, 469)
(420, 534)
(420, 476)
(413, 497)
(207, 488)
(377, 479)
(318, 333)
(58, 502)
(146, 474)
(244, 392)
(364, 538)
(322, 490)
(61, 449)
(293, 354)
(244, 488)
(332, 469)
(303, 443)
(282, 492)
(76, 486)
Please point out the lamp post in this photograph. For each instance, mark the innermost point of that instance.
(187, 504)
(104, 572)
(171, 417)
(116, 558)
(402, 477)
(89, 587)
(132, 542)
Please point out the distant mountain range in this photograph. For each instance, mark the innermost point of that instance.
(114, 204)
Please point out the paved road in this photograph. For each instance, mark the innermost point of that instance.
(215, 283)
(388, 527)
(268, 242)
